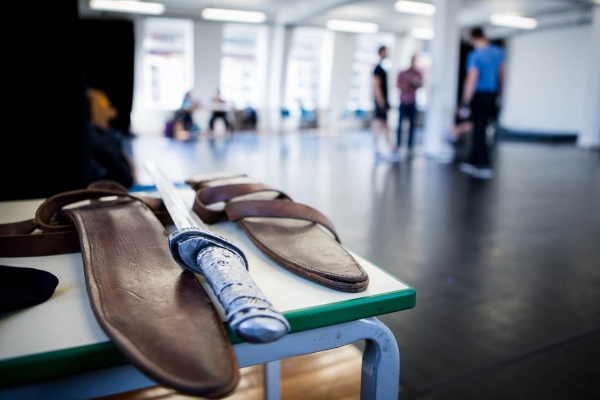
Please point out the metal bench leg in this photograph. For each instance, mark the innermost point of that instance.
(273, 380)
(381, 357)
(380, 377)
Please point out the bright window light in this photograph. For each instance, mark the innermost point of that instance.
(219, 14)
(137, 7)
(414, 7)
(513, 21)
(422, 33)
(352, 26)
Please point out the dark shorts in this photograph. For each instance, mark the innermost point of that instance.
(380, 113)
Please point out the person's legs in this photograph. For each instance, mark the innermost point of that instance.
(211, 122)
(379, 127)
(187, 121)
(481, 112)
(228, 126)
(402, 114)
(411, 111)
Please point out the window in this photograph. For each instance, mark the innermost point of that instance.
(167, 62)
(240, 80)
(306, 73)
(365, 59)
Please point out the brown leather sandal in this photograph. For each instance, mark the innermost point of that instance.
(156, 314)
(288, 232)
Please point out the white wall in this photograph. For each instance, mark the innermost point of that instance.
(546, 80)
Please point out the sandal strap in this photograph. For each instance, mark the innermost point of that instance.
(198, 182)
(224, 193)
(278, 209)
(47, 215)
(58, 236)
(18, 228)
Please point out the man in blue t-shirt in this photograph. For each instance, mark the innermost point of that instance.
(483, 85)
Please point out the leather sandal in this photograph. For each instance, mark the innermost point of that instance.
(155, 313)
(290, 233)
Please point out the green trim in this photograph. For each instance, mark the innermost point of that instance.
(60, 363)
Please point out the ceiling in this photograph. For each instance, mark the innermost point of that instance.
(381, 12)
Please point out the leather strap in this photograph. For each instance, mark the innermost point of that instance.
(58, 236)
(198, 182)
(277, 209)
(224, 193)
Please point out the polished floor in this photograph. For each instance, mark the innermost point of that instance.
(507, 270)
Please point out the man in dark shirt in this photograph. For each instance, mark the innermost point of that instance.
(379, 125)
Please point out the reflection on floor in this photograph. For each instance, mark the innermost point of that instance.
(507, 270)
(330, 374)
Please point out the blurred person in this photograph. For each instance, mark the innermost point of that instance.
(408, 82)
(186, 112)
(379, 124)
(459, 136)
(482, 87)
(219, 111)
(109, 159)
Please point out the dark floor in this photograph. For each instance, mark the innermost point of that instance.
(507, 271)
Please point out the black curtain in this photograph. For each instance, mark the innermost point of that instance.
(45, 146)
(108, 55)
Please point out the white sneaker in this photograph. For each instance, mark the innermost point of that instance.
(483, 173)
(467, 168)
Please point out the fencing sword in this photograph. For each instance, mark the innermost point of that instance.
(224, 266)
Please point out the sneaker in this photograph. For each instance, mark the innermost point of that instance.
(483, 173)
(395, 157)
(467, 168)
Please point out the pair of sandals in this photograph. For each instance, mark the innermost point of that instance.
(132, 280)
(290, 233)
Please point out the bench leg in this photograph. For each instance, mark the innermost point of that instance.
(273, 380)
(381, 358)
(380, 377)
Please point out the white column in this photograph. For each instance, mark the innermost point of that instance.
(262, 63)
(138, 107)
(589, 136)
(444, 75)
(341, 74)
(279, 49)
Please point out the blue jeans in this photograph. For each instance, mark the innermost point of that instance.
(407, 111)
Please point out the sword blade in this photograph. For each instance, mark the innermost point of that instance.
(182, 216)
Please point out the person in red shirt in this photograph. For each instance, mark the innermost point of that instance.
(408, 82)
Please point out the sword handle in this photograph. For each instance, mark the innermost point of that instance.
(224, 267)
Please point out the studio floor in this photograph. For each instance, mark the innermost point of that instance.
(507, 270)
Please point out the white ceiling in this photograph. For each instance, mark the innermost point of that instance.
(382, 12)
